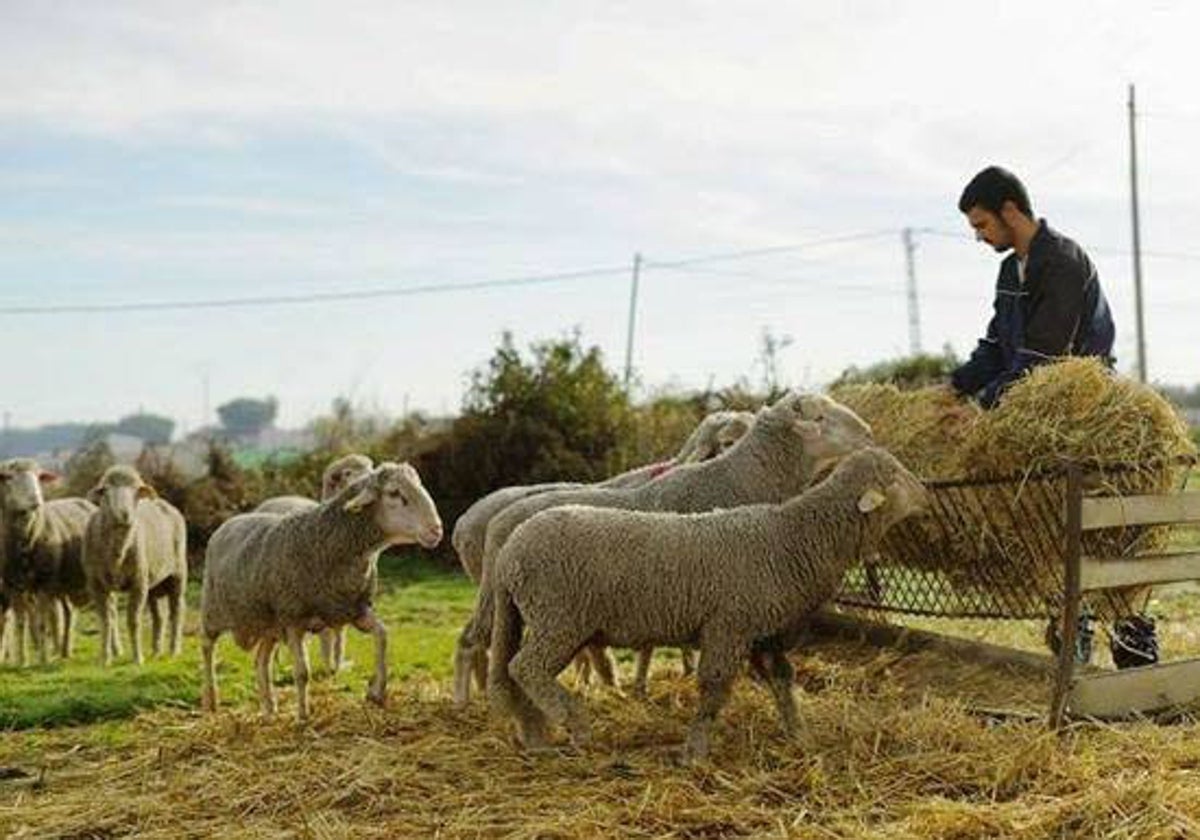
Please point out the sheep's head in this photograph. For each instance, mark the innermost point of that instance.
(829, 430)
(733, 429)
(343, 472)
(21, 482)
(118, 492)
(402, 508)
(717, 432)
(886, 490)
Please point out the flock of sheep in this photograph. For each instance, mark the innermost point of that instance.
(727, 548)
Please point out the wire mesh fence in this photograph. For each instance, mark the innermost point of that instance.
(996, 549)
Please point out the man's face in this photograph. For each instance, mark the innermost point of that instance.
(990, 228)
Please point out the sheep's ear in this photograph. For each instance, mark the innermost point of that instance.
(96, 494)
(362, 499)
(870, 500)
(47, 477)
(145, 491)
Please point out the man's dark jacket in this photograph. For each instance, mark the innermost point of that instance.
(1059, 311)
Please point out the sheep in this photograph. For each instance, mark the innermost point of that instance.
(135, 542)
(734, 581)
(715, 433)
(42, 547)
(785, 447)
(268, 576)
(337, 475)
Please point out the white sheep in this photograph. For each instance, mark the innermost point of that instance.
(268, 577)
(732, 581)
(340, 472)
(714, 434)
(778, 457)
(42, 551)
(136, 543)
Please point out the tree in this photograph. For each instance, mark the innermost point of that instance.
(153, 429)
(246, 416)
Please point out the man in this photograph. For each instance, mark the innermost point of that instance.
(1048, 297)
(1048, 304)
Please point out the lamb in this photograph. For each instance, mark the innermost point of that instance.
(135, 542)
(714, 434)
(735, 581)
(268, 576)
(337, 475)
(777, 458)
(42, 549)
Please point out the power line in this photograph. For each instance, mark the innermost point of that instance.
(313, 297)
(405, 291)
(777, 249)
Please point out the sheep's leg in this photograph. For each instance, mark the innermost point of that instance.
(175, 608)
(68, 621)
(300, 670)
(368, 622)
(208, 699)
(326, 638)
(583, 669)
(21, 629)
(133, 618)
(719, 663)
(504, 693)
(779, 677)
(339, 649)
(105, 610)
(641, 675)
(39, 620)
(479, 667)
(472, 642)
(5, 632)
(154, 604)
(266, 682)
(535, 669)
(688, 657)
(54, 621)
(602, 664)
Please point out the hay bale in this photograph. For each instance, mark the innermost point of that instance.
(1077, 410)
(1073, 410)
(924, 428)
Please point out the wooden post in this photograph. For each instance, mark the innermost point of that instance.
(1071, 597)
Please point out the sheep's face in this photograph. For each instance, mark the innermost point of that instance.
(829, 430)
(342, 473)
(733, 430)
(21, 482)
(891, 493)
(118, 493)
(402, 508)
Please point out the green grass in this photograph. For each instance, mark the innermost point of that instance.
(423, 605)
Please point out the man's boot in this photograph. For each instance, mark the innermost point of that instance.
(1134, 642)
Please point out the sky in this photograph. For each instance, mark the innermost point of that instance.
(763, 158)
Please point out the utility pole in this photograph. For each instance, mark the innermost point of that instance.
(1137, 238)
(633, 293)
(914, 312)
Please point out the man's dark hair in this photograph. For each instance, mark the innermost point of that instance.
(991, 188)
